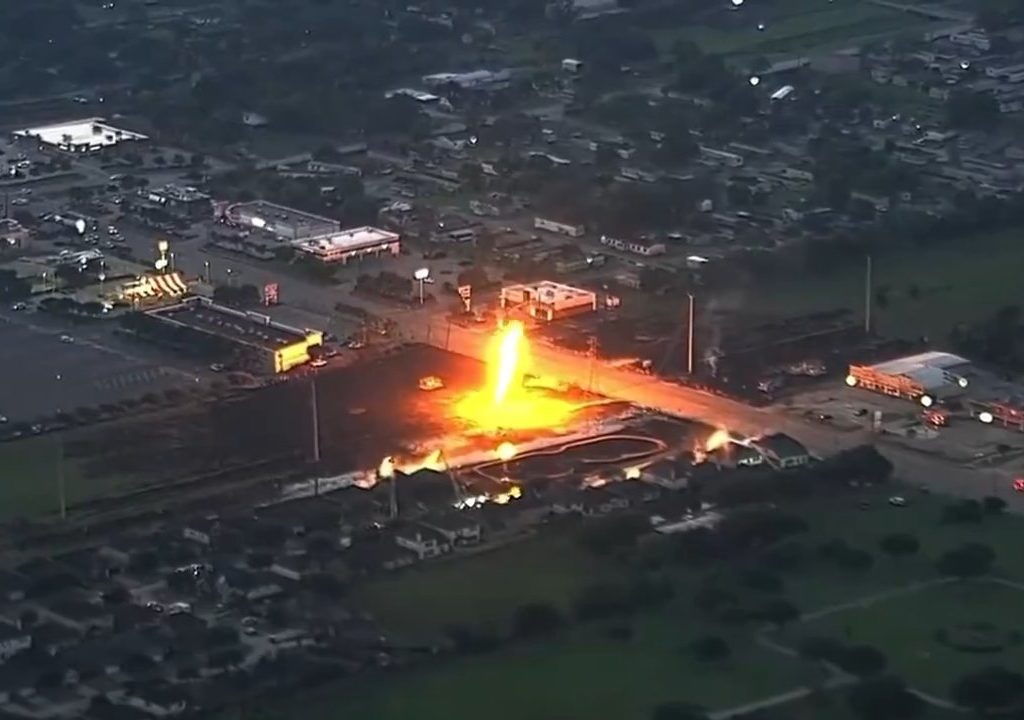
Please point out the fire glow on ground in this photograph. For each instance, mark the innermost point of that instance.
(505, 402)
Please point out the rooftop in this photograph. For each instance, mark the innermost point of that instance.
(352, 239)
(547, 291)
(92, 132)
(247, 328)
(781, 445)
(263, 214)
(929, 369)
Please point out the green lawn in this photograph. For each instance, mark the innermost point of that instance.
(905, 628)
(586, 674)
(29, 485)
(960, 282)
(583, 677)
(794, 26)
(833, 706)
(482, 590)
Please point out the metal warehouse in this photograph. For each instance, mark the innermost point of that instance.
(925, 378)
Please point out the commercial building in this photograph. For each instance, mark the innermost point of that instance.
(284, 222)
(558, 227)
(925, 378)
(468, 80)
(548, 300)
(182, 202)
(88, 135)
(352, 244)
(254, 339)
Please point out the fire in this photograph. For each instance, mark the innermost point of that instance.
(506, 451)
(505, 402)
(508, 361)
(718, 439)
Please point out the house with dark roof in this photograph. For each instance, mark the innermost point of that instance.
(12, 586)
(423, 541)
(458, 528)
(782, 451)
(13, 640)
(78, 614)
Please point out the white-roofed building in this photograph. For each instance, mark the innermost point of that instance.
(351, 244)
(87, 135)
(926, 377)
(548, 300)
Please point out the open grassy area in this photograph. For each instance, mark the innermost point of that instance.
(584, 676)
(483, 589)
(29, 485)
(908, 630)
(791, 26)
(586, 673)
(960, 282)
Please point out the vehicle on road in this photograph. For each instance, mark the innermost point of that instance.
(66, 339)
(898, 501)
(318, 363)
(1018, 484)
(18, 306)
(217, 367)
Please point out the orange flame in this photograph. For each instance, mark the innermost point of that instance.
(507, 365)
(718, 439)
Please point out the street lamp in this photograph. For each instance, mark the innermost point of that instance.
(206, 270)
(421, 275)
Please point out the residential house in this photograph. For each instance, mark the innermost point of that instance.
(156, 699)
(782, 451)
(78, 614)
(458, 528)
(13, 640)
(253, 586)
(425, 542)
(12, 586)
(601, 501)
(202, 531)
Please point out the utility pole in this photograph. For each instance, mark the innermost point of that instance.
(593, 362)
(393, 496)
(61, 490)
(867, 295)
(316, 437)
(689, 335)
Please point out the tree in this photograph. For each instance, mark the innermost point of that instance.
(617, 532)
(884, 698)
(972, 110)
(537, 620)
(967, 561)
(899, 544)
(710, 648)
(778, 612)
(993, 505)
(860, 660)
(989, 690)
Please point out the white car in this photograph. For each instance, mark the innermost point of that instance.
(897, 501)
(66, 339)
(318, 363)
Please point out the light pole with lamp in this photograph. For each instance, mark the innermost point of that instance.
(421, 275)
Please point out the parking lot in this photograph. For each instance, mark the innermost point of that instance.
(43, 375)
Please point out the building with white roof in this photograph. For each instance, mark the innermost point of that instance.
(547, 300)
(352, 244)
(87, 135)
(925, 378)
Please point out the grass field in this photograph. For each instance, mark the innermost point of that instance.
(792, 26)
(905, 628)
(586, 674)
(958, 283)
(29, 485)
(582, 677)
